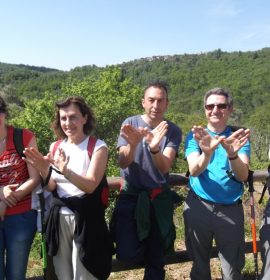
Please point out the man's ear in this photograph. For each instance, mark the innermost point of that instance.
(142, 102)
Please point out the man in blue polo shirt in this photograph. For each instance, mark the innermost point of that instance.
(218, 160)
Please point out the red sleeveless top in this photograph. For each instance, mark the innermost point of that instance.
(13, 170)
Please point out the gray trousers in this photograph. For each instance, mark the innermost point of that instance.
(206, 222)
(265, 240)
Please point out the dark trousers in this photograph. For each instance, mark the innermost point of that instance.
(49, 273)
(148, 252)
(265, 243)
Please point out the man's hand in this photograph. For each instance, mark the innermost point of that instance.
(132, 135)
(154, 136)
(206, 142)
(234, 142)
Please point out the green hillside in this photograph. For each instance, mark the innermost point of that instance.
(115, 91)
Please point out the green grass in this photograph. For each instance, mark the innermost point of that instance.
(35, 260)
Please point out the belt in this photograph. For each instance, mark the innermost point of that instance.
(238, 202)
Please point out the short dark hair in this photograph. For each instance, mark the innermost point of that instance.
(84, 108)
(219, 91)
(157, 84)
(3, 106)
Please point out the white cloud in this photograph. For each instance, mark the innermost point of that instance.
(225, 8)
(258, 31)
(252, 37)
(248, 36)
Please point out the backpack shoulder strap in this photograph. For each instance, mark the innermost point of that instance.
(235, 128)
(56, 145)
(266, 185)
(91, 145)
(103, 185)
(18, 141)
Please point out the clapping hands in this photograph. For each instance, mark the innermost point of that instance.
(62, 161)
(237, 140)
(206, 142)
(231, 144)
(152, 137)
(37, 160)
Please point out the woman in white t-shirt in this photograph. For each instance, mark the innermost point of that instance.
(77, 209)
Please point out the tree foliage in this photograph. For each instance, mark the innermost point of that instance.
(37, 116)
(111, 96)
(260, 137)
(114, 92)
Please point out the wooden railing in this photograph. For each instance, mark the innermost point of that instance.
(180, 256)
(180, 180)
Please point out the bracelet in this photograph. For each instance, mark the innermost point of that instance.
(233, 157)
(154, 152)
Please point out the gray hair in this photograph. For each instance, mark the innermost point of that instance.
(219, 91)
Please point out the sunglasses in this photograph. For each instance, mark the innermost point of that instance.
(221, 106)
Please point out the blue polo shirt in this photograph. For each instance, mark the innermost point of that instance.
(217, 182)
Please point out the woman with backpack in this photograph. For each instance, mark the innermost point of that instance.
(17, 219)
(76, 233)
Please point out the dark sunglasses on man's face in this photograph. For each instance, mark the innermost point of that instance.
(221, 106)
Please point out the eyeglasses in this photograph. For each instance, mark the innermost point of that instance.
(221, 106)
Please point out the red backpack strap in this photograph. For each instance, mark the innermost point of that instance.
(55, 146)
(105, 192)
(105, 187)
(91, 145)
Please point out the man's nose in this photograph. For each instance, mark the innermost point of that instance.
(155, 104)
(215, 108)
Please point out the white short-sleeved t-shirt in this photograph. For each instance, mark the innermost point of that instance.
(78, 162)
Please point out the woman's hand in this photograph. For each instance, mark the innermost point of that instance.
(61, 162)
(8, 196)
(37, 160)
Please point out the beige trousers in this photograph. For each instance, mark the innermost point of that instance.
(67, 264)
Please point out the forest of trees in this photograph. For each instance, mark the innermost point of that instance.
(115, 92)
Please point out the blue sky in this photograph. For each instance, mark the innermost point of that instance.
(63, 34)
